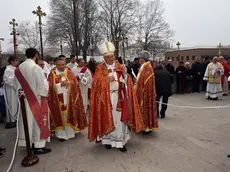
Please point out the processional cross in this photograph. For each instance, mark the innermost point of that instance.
(220, 46)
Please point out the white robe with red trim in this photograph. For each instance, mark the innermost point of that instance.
(37, 81)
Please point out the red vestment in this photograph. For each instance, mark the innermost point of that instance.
(226, 72)
(74, 109)
(101, 118)
(146, 96)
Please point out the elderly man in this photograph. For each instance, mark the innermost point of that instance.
(65, 102)
(170, 68)
(212, 75)
(109, 111)
(146, 93)
(224, 77)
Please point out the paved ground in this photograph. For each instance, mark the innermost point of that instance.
(189, 140)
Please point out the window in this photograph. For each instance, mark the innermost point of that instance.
(193, 58)
(187, 58)
(182, 58)
(177, 58)
(172, 58)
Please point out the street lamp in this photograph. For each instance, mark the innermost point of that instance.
(40, 14)
(1, 39)
(75, 17)
(14, 34)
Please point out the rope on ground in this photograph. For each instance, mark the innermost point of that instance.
(195, 107)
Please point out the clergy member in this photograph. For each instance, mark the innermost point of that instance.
(84, 77)
(213, 74)
(146, 93)
(224, 77)
(65, 102)
(42, 64)
(31, 79)
(11, 96)
(112, 107)
(72, 62)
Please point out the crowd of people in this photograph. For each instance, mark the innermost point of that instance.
(109, 98)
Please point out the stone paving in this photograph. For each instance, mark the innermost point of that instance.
(189, 140)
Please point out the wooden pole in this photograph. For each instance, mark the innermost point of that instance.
(30, 159)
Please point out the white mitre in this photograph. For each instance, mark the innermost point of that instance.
(107, 48)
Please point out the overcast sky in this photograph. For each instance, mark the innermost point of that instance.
(195, 22)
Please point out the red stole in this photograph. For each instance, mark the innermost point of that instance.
(39, 111)
(83, 70)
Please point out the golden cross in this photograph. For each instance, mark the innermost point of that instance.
(220, 46)
(39, 12)
(13, 23)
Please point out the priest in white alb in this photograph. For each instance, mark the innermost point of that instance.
(84, 77)
(213, 74)
(11, 99)
(31, 80)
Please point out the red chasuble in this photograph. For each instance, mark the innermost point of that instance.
(146, 95)
(101, 118)
(226, 72)
(74, 109)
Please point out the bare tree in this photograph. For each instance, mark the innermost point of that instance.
(61, 24)
(117, 19)
(29, 35)
(154, 31)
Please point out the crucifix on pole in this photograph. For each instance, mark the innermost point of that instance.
(14, 33)
(40, 14)
(220, 47)
(178, 47)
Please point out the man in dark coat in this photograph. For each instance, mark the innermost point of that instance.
(197, 70)
(163, 88)
(92, 64)
(170, 68)
(205, 64)
(181, 76)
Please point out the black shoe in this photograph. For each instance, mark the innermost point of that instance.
(10, 125)
(209, 98)
(162, 115)
(62, 140)
(2, 150)
(108, 146)
(2, 121)
(41, 151)
(228, 156)
(225, 94)
(123, 149)
(147, 132)
(1, 155)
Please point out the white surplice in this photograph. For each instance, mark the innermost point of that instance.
(120, 136)
(37, 81)
(85, 83)
(213, 90)
(71, 65)
(11, 97)
(66, 133)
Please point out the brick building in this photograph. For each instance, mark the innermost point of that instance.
(189, 54)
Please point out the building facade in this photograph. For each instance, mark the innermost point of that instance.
(189, 55)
